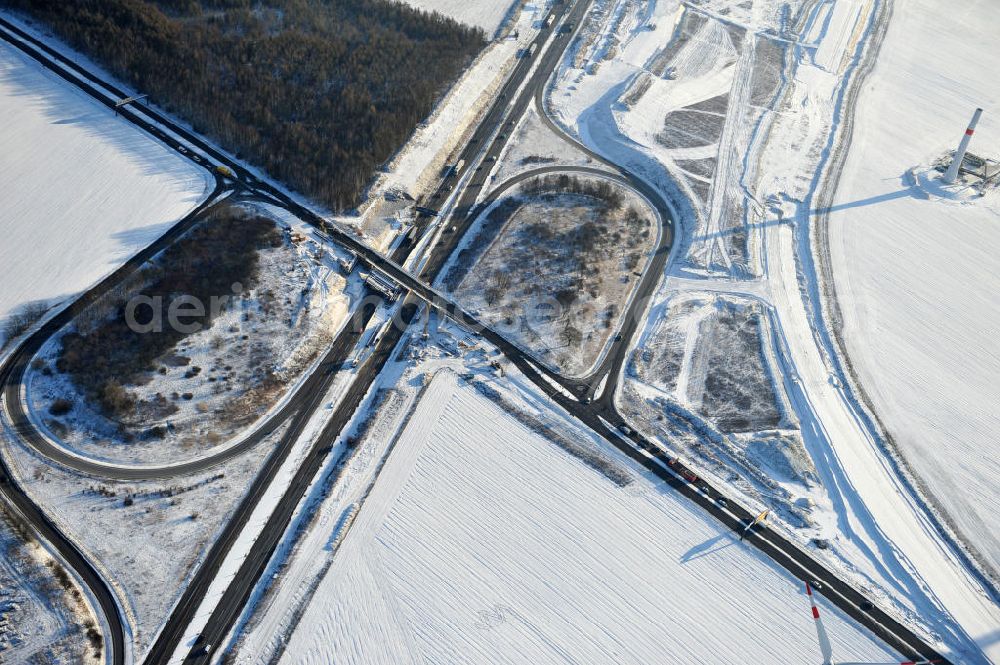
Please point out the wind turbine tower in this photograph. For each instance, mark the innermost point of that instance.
(956, 163)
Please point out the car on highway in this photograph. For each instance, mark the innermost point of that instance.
(625, 429)
(204, 649)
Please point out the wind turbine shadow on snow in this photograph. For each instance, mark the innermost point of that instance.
(908, 191)
(826, 647)
(710, 546)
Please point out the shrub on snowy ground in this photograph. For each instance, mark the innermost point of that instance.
(61, 407)
(19, 322)
(205, 264)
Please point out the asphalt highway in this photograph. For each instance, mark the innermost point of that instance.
(502, 109)
(238, 592)
(510, 104)
(604, 419)
(616, 355)
(12, 377)
(180, 139)
(10, 373)
(599, 415)
(234, 599)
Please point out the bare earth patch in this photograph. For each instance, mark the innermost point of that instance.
(564, 261)
(702, 380)
(211, 385)
(708, 354)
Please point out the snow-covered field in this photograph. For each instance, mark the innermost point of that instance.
(146, 537)
(40, 620)
(254, 354)
(534, 145)
(81, 190)
(916, 279)
(485, 14)
(744, 193)
(591, 95)
(708, 353)
(553, 561)
(482, 541)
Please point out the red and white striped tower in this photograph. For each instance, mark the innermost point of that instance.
(827, 649)
(956, 163)
(824, 640)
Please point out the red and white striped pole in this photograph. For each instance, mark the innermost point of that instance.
(826, 648)
(824, 640)
(956, 163)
